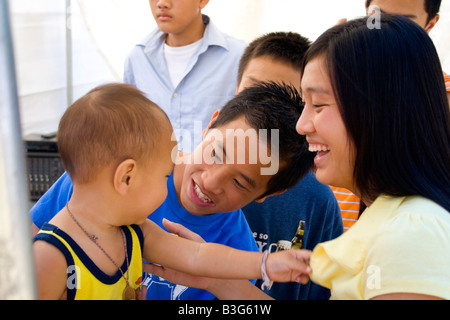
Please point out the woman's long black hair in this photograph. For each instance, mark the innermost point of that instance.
(389, 86)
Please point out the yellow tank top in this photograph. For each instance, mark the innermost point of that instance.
(85, 281)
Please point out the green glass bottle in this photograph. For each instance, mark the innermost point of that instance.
(297, 241)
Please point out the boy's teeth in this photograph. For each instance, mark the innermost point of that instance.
(200, 195)
(317, 147)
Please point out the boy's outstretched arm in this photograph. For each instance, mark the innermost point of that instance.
(222, 288)
(219, 261)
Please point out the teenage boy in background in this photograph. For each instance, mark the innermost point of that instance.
(187, 66)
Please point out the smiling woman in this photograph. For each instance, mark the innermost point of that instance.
(369, 128)
(322, 124)
(380, 122)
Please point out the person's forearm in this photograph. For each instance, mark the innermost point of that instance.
(236, 290)
(196, 258)
(218, 261)
(221, 288)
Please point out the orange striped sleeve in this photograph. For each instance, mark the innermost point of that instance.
(447, 82)
(349, 205)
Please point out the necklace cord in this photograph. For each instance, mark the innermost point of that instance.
(94, 239)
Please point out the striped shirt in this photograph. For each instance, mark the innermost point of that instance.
(447, 82)
(349, 205)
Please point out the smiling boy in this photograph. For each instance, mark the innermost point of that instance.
(206, 197)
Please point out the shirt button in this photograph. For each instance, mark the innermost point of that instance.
(175, 95)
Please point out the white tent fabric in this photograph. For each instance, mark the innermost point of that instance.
(104, 31)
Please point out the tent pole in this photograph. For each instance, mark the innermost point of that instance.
(69, 57)
(17, 272)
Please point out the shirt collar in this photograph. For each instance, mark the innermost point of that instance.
(212, 36)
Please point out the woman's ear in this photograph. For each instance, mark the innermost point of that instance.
(124, 176)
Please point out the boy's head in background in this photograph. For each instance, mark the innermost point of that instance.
(423, 12)
(276, 56)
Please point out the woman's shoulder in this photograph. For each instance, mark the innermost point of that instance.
(417, 213)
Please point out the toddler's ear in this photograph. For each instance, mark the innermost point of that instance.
(213, 119)
(124, 176)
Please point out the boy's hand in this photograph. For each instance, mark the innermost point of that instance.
(181, 231)
(289, 265)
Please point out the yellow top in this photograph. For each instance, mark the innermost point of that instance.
(85, 281)
(399, 244)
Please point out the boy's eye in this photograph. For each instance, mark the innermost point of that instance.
(238, 184)
(213, 153)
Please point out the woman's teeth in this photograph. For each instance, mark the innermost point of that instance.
(200, 195)
(318, 147)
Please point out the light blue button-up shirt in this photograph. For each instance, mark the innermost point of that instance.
(209, 81)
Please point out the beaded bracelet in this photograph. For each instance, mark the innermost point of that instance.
(267, 282)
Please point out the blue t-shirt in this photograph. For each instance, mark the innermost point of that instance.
(230, 228)
(277, 218)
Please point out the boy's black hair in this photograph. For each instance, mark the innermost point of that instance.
(287, 47)
(274, 106)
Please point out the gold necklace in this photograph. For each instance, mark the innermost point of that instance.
(129, 293)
